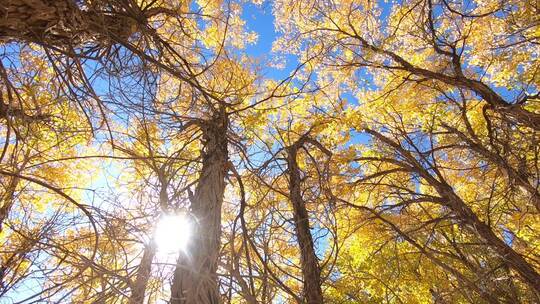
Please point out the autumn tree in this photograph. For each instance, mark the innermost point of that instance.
(442, 100)
(392, 159)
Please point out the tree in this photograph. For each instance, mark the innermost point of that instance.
(394, 161)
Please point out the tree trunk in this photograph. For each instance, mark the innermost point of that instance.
(308, 259)
(138, 290)
(195, 279)
(511, 257)
(514, 260)
(63, 23)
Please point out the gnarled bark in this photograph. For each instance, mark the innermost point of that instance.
(195, 279)
(62, 23)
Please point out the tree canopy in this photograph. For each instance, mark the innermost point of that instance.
(372, 152)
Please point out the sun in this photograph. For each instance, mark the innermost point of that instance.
(172, 233)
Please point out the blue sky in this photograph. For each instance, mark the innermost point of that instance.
(260, 18)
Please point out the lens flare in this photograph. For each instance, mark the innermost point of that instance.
(172, 233)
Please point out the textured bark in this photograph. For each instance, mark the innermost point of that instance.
(308, 259)
(195, 279)
(63, 23)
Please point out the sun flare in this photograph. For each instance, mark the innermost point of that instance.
(172, 233)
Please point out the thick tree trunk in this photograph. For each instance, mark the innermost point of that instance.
(308, 259)
(195, 279)
(36, 19)
(63, 23)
